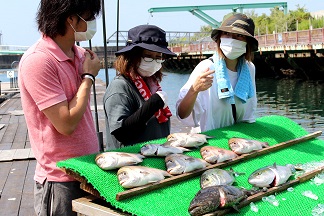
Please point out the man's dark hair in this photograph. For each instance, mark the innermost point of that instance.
(52, 14)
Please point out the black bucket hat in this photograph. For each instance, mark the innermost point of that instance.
(240, 24)
(149, 37)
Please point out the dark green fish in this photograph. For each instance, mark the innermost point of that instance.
(210, 199)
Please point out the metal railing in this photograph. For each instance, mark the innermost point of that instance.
(314, 36)
(173, 37)
(307, 39)
(12, 49)
(197, 42)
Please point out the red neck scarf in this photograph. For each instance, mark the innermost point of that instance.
(162, 115)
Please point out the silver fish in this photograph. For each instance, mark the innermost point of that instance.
(210, 199)
(161, 150)
(217, 176)
(114, 160)
(213, 155)
(271, 176)
(135, 176)
(179, 163)
(186, 139)
(242, 146)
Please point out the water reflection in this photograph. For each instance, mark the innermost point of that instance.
(301, 101)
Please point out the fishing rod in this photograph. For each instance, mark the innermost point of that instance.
(104, 41)
(99, 133)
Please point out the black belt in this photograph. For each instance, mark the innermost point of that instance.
(234, 112)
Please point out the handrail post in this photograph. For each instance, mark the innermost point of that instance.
(276, 38)
(309, 36)
(265, 40)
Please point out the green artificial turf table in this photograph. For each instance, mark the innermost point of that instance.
(175, 199)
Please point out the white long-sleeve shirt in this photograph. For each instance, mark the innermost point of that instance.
(209, 111)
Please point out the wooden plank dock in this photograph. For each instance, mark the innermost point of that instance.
(17, 162)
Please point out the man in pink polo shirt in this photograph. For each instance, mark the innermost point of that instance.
(55, 78)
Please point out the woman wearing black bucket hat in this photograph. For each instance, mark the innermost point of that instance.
(134, 103)
(221, 90)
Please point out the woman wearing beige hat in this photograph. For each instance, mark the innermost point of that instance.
(134, 103)
(221, 90)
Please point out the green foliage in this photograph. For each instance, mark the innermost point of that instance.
(318, 23)
(277, 21)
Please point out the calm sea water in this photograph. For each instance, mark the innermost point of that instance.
(301, 101)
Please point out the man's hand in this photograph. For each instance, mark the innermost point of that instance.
(91, 63)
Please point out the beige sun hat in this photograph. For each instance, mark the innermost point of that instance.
(240, 24)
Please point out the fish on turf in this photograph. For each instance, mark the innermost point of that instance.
(187, 140)
(217, 176)
(114, 160)
(213, 154)
(161, 150)
(179, 163)
(242, 146)
(271, 176)
(135, 176)
(210, 199)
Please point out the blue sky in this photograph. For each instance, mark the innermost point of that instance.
(18, 26)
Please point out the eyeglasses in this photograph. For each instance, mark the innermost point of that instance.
(150, 59)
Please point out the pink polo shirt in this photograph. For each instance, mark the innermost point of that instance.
(47, 77)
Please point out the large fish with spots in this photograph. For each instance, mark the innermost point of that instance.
(271, 176)
(212, 198)
(243, 146)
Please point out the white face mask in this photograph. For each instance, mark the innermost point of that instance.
(87, 35)
(232, 48)
(147, 69)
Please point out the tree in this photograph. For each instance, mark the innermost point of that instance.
(298, 19)
(277, 22)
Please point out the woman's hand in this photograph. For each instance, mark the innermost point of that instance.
(204, 81)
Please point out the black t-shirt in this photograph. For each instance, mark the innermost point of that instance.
(129, 118)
